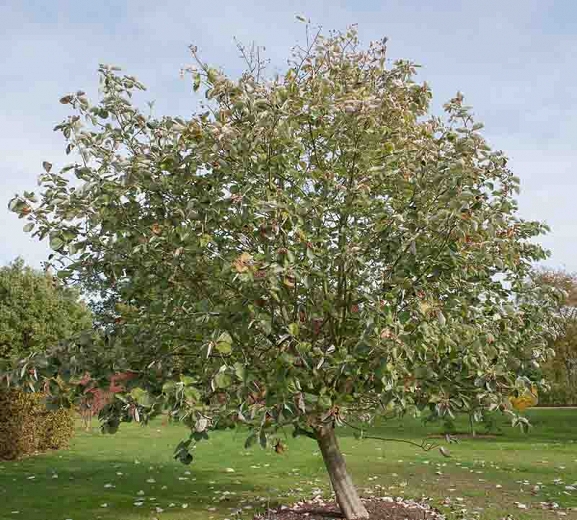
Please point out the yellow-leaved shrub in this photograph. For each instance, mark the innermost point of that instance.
(526, 400)
(26, 426)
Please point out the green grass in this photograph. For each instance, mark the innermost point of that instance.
(139, 459)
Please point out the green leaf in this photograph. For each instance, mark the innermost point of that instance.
(182, 453)
(404, 317)
(28, 227)
(240, 370)
(222, 380)
(298, 431)
(266, 325)
(294, 329)
(195, 81)
(192, 394)
(224, 343)
(56, 243)
(111, 426)
(182, 445)
(13, 204)
(187, 380)
(262, 439)
(185, 458)
(250, 440)
(141, 396)
(168, 387)
(200, 436)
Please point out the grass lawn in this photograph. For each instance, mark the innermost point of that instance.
(131, 475)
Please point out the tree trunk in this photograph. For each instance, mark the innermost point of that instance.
(472, 425)
(346, 494)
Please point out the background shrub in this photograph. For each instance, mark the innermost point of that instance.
(26, 426)
(56, 429)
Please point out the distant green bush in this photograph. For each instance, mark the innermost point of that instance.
(560, 394)
(36, 311)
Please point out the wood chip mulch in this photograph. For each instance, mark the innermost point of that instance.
(379, 508)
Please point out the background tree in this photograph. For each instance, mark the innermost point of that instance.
(561, 370)
(36, 311)
(307, 250)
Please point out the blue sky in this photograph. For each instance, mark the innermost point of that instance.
(514, 61)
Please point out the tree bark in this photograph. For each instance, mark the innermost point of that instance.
(472, 425)
(346, 494)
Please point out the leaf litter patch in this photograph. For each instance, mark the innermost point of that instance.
(379, 508)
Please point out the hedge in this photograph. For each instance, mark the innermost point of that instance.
(560, 394)
(26, 426)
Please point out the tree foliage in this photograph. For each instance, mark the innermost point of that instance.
(561, 370)
(36, 311)
(305, 250)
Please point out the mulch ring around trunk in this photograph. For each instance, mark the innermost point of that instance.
(379, 508)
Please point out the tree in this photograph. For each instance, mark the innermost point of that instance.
(36, 311)
(308, 250)
(561, 370)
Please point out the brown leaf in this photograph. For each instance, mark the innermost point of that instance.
(242, 263)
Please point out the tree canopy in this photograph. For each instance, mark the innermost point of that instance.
(306, 250)
(560, 371)
(36, 311)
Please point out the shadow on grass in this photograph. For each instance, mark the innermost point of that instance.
(49, 487)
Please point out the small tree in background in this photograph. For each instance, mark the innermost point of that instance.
(561, 370)
(36, 311)
(308, 250)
